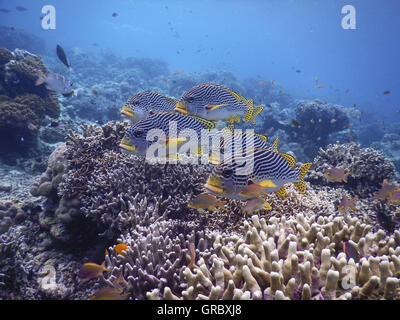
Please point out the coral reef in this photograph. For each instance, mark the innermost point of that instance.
(298, 257)
(23, 106)
(112, 191)
(368, 167)
(156, 257)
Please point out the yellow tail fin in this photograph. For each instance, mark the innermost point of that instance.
(256, 111)
(301, 185)
(250, 109)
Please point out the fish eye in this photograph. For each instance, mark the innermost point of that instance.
(189, 99)
(227, 173)
(138, 134)
(135, 103)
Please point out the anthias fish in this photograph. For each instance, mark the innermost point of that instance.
(91, 270)
(271, 168)
(256, 204)
(215, 102)
(347, 204)
(136, 141)
(143, 103)
(336, 175)
(206, 201)
(55, 82)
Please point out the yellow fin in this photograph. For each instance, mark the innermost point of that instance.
(281, 192)
(250, 109)
(232, 119)
(230, 128)
(237, 96)
(256, 111)
(175, 141)
(275, 145)
(264, 138)
(211, 108)
(289, 158)
(267, 184)
(206, 123)
(301, 185)
(267, 206)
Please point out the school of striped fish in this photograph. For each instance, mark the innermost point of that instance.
(247, 167)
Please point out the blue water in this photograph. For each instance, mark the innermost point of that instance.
(266, 40)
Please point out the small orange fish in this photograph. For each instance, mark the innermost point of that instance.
(385, 191)
(347, 204)
(120, 248)
(256, 189)
(394, 198)
(336, 175)
(255, 205)
(91, 270)
(109, 294)
(263, 83)
(177, 72)
(386, 92)
(319, 86)
(94, 92)
(206, 201)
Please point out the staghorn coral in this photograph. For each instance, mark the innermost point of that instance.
(296, 258)
(368, 167)
(156, 257)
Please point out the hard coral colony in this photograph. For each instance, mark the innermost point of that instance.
(230, 217)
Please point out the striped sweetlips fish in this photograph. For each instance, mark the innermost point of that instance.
(143, 103)
(172, 130)
(265, 167)
(238, 141)
(215, 102)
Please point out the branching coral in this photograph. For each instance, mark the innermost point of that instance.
(297, 258)
(156, 257)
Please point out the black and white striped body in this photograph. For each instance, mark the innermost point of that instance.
(146, 102)
(200, 99)
(162, 125)
(252, 166)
